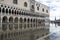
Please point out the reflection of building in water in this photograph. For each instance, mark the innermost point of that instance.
(23, 20)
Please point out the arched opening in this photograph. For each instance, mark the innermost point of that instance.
(10, 23)
(11, 20)
(24, 19)
(16, 23)
(38, 8)
(4, 23)
(21, 20)
(16, 20)
(4, 20)
(46, 11)
(15, 12)
(34, 23)
(9, 10)
(25, 4)
(31, 20)
(6, 10)
(34, 20)
(32, 6)
(0, 9)
(19, 12)
(3, 10)
(28, 20)
(20, 24)
(12, 11)
(43, 9)
(24, 23)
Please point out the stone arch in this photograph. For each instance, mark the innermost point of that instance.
(25, 4)
(4, 23)
(10, 23)
(10, 11)
(0, 9)
(20, 22)
(16, 20)
(4, 19)
(11, 19)
(16, 23)
(33, 20)
(24, 19)
(21, 19)
(6, 10)
(3, 10)
(15, 12)
(25, 22)
(28, 20)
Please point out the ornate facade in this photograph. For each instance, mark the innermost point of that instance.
(23, 20)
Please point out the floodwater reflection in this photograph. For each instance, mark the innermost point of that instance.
(55, 30)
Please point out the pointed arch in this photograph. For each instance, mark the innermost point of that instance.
(25, 4)
(24, 19)
(21, 20)
(11, 23)
(4, 23)
(16, 20)
(11, 19)
(3, 10)
(4, 19)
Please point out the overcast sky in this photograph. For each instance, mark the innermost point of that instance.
(54, 7)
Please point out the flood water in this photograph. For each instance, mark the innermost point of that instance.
(55, 30)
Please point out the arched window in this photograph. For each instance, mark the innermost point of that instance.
(28, 20)
(4, 25)
(43, 9)
(11, 19)
(0, 9)
(4, 20)
(9, 10)
(24, 19)
(3, 10)
(20, 24)
(15, 11)
(11, 23)
(21, 19)
(33, 20)
(12, 11)
(15, 1)
(16, 20)
(25, 4)
(16, 23)
(32, 6)
(47, 11)
(6, 10)
(38, 8)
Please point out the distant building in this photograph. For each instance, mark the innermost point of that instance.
(23, 20)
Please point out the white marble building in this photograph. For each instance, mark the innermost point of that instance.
(23, 20)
